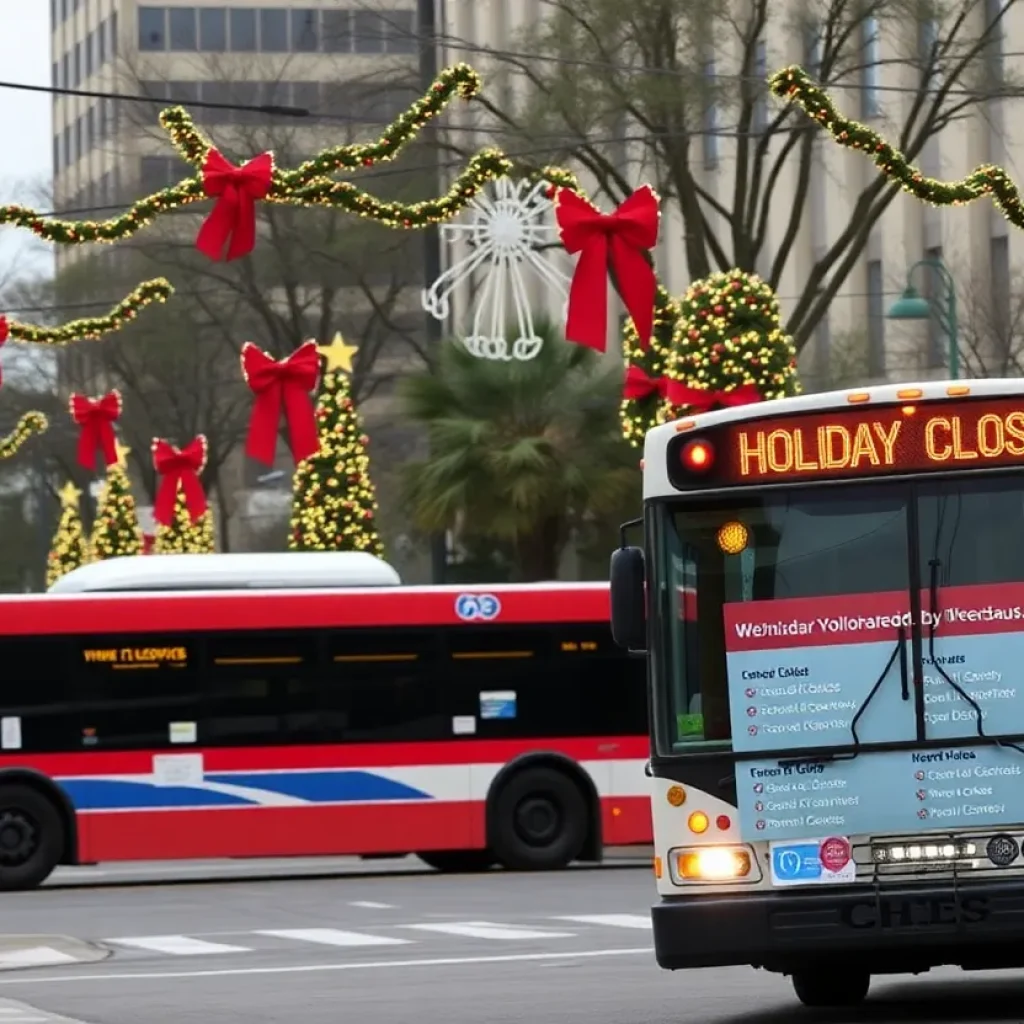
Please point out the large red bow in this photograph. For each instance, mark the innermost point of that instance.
(96, 417)
(705, 400)
(623, 236)
(179, 467)
(232, 221)
(286, 383)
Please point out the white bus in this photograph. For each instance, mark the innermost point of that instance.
(837, 721)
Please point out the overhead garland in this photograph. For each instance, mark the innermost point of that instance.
(229, 231)
(30, 424)
(794, 84)
(90, 328)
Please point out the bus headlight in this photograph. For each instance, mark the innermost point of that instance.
(712, 863)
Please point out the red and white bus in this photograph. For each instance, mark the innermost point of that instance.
(472, 726)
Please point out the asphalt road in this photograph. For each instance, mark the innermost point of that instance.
(565, 948)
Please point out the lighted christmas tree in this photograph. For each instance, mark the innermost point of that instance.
(334, 501)
(183, 537)
(116, 530)
(69, 549)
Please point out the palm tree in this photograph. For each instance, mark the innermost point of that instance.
(520, 452)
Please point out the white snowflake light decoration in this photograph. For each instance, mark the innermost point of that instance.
(508, 234)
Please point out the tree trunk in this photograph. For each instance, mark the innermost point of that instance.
(539, 551)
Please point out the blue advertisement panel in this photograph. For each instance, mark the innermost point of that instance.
(893, 791)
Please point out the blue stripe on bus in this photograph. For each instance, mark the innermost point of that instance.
(115, 794)
(325, 787)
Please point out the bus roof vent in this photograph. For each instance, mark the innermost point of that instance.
(284, 570)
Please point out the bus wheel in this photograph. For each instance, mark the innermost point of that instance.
(458, 862)
(826, 987)
(539, 821)
(31, 838)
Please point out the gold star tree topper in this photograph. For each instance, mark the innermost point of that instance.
(69, 494)
(123, 451)
(338, 354)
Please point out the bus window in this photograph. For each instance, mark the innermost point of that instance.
(37, 699)
(795, 544)
(261, 689)
(135, 689)
(386, 685)
(970, 532)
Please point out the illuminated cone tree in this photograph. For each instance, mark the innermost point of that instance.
(335, 504)
(116, 531)
(183, 537)
(69, 549)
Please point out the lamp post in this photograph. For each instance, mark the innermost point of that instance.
(912, 306)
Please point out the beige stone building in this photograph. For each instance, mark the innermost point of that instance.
(982, 252)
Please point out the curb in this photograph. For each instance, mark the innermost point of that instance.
(19, 952)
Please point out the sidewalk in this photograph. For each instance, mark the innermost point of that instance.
(20, 951)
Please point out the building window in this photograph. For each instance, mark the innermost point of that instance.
(213, 29)
(243, 30)
(305, 38)
(183, 93)
(999, 273)
(813, 50)
(306, 95)
(90, 129)
(67, 146)
(401, 32)
(65, 65)
(63, 10)
(88, 55)
(709, 138)
(367, 32)
(101, 45)
(337, 31)
(871, 104)
(77, 151)
(153, 173)
(152, 28)
(928, 44)
(876, 320)
(77, 65)
(55, 75)
(113, 34)
(182, 29)
(56, 154)
(274, 30)
(216, 92)
(995, 26)
(760, 116)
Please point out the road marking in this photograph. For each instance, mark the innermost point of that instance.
(370, 905)
(611, 920)
(234, 972)
(332, 937)
(35, 956)
(486, 930)
(178, 945)
(13, 1012)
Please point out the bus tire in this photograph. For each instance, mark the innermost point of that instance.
(831, 988)
(458, 862)
(31, 837)
(539, 821)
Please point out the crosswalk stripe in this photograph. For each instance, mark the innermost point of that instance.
(177, 945)
(36, 956)
(611, 920)
(333, 937)
(486, 930)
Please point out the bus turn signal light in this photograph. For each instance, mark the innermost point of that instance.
(697, 456)
(698, 822)
(713, 864)
(676, 796)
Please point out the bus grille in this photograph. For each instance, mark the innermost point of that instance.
(938, 854)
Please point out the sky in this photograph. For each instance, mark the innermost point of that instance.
(25, 118)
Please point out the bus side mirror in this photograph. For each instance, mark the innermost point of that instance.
(629, 618)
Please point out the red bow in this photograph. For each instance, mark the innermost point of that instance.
(4, 331)
(287, 383)
(232, 221)
(96, 417)
(623, 236)
(179, 468)
(705, 400)
(640, 384)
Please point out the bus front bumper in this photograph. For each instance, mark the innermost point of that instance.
(890, 929)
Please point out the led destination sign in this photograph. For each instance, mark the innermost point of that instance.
(863, 441)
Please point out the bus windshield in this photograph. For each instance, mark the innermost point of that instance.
(838, 548)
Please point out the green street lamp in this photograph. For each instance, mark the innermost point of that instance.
(912, 306)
